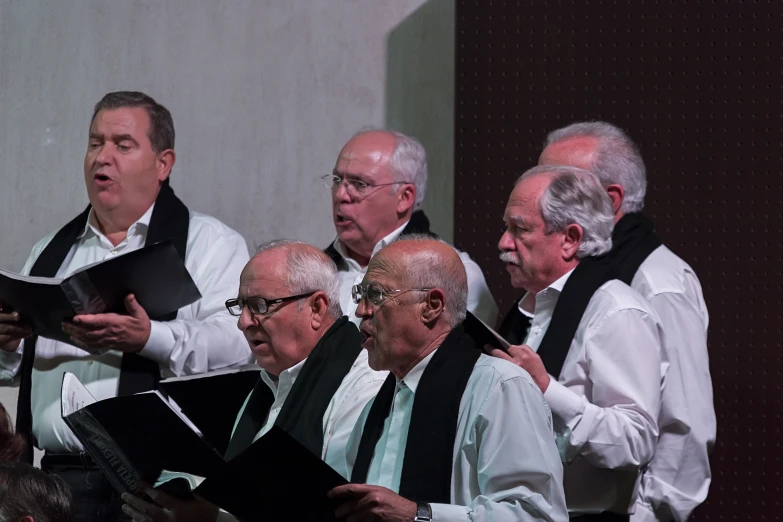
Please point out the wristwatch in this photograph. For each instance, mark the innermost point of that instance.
(423, 512)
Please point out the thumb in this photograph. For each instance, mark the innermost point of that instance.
(160, 498)
(500, 354)
(133, 307)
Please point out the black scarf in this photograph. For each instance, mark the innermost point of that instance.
(633, 240)
(428, 459)
(170, 220)
(303, 410)
(418, 224)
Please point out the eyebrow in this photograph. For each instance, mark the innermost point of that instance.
(116, 138)
(360, 177)
(518, 221)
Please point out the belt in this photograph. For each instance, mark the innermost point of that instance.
(67, 460)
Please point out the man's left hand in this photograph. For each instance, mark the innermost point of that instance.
(126, 333)
(365, 503)
(524, 357)
(168, 508)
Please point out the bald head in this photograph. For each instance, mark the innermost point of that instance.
(423, 262)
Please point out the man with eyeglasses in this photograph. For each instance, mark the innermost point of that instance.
(378, 186)
(453, 435)
(315, 379)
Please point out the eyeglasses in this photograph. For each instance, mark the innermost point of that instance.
(376, 294)
(259, 305)
(355, 188)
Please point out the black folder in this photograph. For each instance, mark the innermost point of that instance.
(155, 274)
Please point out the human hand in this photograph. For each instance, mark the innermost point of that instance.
(524, 357)
(168, 508)
(365, 503)
(12, 329)
(126, 333)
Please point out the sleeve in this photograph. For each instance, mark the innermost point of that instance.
(617, 428)
(205, 336)
(679, 477)
(10, 362)
(519, 478)
(480, 300)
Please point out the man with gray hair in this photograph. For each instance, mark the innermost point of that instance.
(315, 379)
(669, 284)
(378, 186)
(593, 347)
(453, 435)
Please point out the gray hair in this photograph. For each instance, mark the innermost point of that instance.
(430, 271)
(617, 159)
(576, 196)
(408, 161)
(308, 270)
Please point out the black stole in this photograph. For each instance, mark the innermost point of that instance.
(428, 460)
(633, 240)
(170, 220)
(418, 224)
(303, 410)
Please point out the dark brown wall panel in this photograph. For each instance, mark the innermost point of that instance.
(698, 85)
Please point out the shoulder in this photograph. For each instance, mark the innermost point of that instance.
(615, 296)
(204, 227)
(491, 374)
(664, 272)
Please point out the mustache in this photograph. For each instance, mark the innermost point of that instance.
(509, 257)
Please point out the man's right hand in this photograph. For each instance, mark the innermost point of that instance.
(12, 329)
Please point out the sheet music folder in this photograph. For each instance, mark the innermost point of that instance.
(155, 274)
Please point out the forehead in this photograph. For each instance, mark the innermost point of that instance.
(523, 202)
(124, 119)
(366, 154)
(264, 275)
(384, 270)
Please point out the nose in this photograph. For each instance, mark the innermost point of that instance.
(340, 193)
(363, 310)
(506, 242)
(103, 155)
(246, 319)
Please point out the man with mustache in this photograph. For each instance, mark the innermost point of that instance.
(687, 421)
(378, 186)
(130, 155)
(315, 380)
(453, 435)
(594, 348)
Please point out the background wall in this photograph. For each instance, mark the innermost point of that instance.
(264, 93)
(697, 85)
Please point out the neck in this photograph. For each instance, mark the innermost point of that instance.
(567, 267)
(114, 226)
(427, 348)
(363, 253)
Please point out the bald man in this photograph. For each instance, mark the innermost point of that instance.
(378, 186)
(453, 435)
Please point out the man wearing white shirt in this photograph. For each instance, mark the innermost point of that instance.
(678, 478)
(594, 348)
(129, 157)
(378, 186)
(453, 434)
(315, 379)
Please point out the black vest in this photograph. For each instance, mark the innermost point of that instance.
(169, 221)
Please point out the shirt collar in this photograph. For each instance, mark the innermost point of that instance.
(382, 243)
(286, 377)
(141, 225)
(413, 377)
(550, 293)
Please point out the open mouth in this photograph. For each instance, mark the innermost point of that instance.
(102, 179)
(366, 334)
(341, 220)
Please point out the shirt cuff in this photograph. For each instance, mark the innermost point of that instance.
(160, 344)
(449, 512)
(563, 402)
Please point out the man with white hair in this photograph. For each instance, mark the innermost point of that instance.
(378, 186)
(678, 477)
(593, 347)
(315, 379)
(453, 435)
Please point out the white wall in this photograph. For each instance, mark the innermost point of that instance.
(263, 94)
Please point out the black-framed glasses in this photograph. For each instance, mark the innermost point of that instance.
(376, 294)
(259, 305)
(355, 188)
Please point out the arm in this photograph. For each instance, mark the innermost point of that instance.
(514, 459)
(679, 475)
(204, 336)
(615, 425)
(480, 300)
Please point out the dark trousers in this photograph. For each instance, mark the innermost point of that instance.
(601, 517)
(94, 498)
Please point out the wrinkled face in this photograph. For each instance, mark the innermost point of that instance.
(388, 329)
(276, 338)
(361, 222)
(121, 170)
(532, 256)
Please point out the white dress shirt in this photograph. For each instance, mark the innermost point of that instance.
(203, 337)
(480, 300)
(678, 477)
(606, 401)
(506, 465)
(359, 386)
